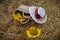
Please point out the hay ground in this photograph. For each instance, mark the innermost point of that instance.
(13, 30)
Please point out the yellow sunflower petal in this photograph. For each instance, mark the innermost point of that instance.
(39, 32)
(28, 34)
(15, 17)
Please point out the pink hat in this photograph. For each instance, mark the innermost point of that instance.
(38, 14)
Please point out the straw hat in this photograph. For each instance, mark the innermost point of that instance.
(38, 14)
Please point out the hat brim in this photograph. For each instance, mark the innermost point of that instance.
(32, 14)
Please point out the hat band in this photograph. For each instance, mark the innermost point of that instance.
(37, 15)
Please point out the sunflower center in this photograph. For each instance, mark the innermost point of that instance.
(33, 31)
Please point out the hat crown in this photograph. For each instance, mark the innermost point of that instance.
(36, 14)
(41, 11)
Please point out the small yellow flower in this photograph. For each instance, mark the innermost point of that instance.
(19, 17)
(33, 32)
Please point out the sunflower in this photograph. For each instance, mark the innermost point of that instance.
(19, 17)
(33, 32)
